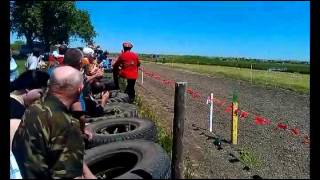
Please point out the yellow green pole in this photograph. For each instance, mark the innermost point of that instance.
(234, 124)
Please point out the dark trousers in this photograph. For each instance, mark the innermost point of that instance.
(130, 89)
(116, 78)
(105, 85)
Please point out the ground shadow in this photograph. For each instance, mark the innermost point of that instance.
(216, 138)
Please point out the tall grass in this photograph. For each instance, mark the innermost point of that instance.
(164, 138)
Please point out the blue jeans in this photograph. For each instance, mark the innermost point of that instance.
(82, 102)
(14, 75)
(50, 70)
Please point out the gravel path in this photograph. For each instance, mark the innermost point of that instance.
(279, 153)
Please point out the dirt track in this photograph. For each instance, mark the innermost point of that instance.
(280, 154)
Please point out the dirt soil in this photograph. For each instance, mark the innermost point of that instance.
(278, 153)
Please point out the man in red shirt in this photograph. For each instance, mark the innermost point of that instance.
(128, 64)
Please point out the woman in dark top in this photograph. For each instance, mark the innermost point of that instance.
(17, 109)
(25, 90)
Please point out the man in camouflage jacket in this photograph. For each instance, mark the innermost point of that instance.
(49, 142)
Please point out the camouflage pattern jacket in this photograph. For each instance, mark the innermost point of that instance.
(48, 142)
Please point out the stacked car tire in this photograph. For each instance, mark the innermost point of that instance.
(122, 144)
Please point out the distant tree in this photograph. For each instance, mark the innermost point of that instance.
(17, 45)
(50, 22)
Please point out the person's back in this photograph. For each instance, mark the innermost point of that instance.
(129, 65)
(60, 56)
(52, 128)
(32, 63)
(49, 143)
(33, 59)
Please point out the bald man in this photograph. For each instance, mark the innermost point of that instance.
(49, 142)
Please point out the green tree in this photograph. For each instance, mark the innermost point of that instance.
(25, 19)
(50, 22)
(83, 27)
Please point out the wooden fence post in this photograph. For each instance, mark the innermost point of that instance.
(251, 73)
(142, 75)
(234, 123)
(178, 127)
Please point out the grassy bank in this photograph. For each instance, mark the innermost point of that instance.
(163, 137)
(292, 81)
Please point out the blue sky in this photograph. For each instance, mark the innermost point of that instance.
(267, 30)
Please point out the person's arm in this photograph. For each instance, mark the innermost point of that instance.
(138, 61)
(104, 98)
(117, 63)
(32, 135)
(78, 113)
(90, 79)
(69, 148)
(14, 124)
(87, 174)
(98, 74)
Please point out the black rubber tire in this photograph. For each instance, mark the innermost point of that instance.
(143, 129)
(115, 96)
(116, 110)
(150, 160)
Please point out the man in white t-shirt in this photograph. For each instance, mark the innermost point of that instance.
(33, 59)
(14, 73)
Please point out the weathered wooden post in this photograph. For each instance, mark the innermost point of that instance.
(251, 73)
(142, 75)
(178, 127)
(211, 111)
(234, 121)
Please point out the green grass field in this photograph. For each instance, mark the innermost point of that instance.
(287, 66)
(293, 81)
(20, 63)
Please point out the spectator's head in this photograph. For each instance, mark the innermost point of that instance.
(36, 52)
(66, 83)
(73, 57)
(89, 53)
(30, 85)
(62, 49)
(98, 52)
(105, 53)
(127, 46)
